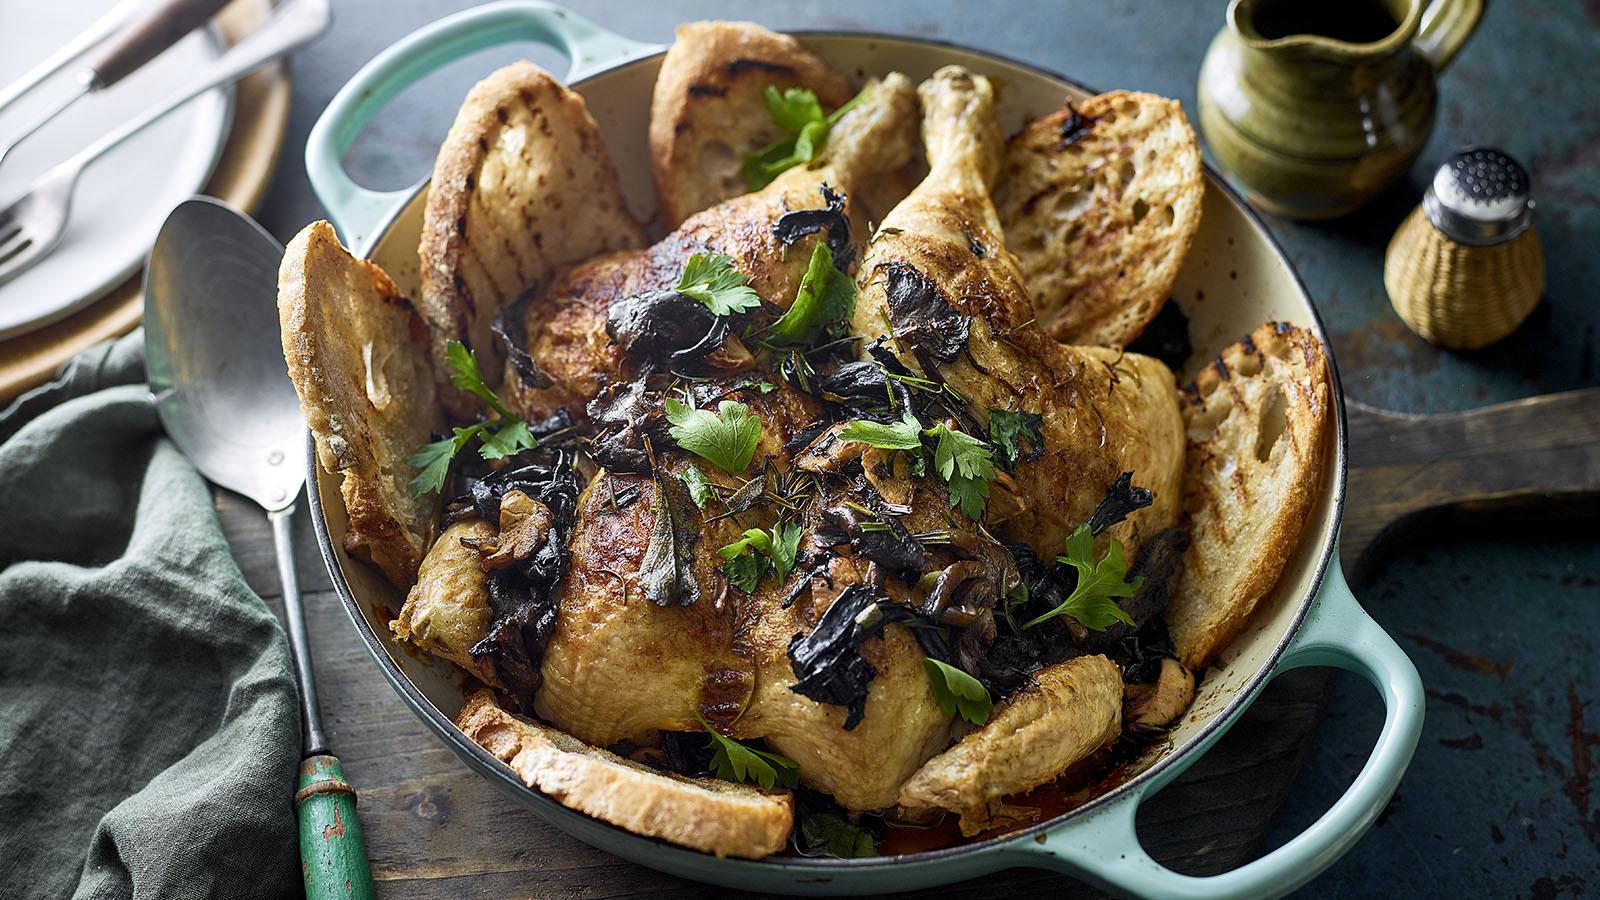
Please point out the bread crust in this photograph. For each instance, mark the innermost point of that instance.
(1257, 421)
(1101, 215)
(523, 186)
(707, 113)
(719, 817)
(358, 356)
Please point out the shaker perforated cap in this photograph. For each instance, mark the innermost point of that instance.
(1479, 196)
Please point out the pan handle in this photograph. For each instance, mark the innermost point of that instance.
(1103, 848)
(359, 212)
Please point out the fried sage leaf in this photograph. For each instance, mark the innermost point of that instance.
(700, 490)
(666, 573)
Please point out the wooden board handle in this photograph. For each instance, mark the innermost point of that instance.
(141, 40)
(1540, 453)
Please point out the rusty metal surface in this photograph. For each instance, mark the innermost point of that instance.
(1503, 798)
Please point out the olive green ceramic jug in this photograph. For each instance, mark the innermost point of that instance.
(1312, 107)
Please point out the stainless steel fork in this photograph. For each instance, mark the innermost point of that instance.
(33, 224)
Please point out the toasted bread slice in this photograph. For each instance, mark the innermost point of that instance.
(1257, 422)
(523, 186)
(719, 817)
(708, 114)
(1100, 203)
(358, 356)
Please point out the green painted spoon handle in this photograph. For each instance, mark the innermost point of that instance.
(333, 854)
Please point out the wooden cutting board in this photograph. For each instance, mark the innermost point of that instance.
(261, 116)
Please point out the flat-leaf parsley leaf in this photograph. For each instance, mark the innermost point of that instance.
(966, 465)
(797, 111)
(504, 436)
(712, 279)
(826, 295)
(727, 437)
(1092, 602)
(905, 434)
(1009, 430)
(734, 761)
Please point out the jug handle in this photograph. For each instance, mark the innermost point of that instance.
(1446, 25)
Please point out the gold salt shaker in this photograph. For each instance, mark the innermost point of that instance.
(1465, 268)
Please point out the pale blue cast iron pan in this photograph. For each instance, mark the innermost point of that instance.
(1243, 278)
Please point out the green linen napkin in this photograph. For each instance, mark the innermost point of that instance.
(149, 734)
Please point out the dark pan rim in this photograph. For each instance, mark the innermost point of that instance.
(1243, 695)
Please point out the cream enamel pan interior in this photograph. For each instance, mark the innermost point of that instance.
(1235, 277)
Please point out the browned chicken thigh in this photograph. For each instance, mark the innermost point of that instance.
(938, 271)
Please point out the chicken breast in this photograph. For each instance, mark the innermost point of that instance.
(566, 327)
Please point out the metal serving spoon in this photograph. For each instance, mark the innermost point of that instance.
(223, 393)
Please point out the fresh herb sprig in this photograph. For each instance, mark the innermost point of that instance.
(1009, 430)
(1093, 601)
(825, 296)
(726, 438)
(965, 463)
(734, 761)
(905, 434)
(832, 834)
(957, 692)
(500, 437)
(797, 111)
(712, 279)
(757, 552)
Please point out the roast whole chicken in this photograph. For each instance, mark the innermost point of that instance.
(890, 569)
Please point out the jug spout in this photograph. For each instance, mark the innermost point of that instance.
(1336, 32)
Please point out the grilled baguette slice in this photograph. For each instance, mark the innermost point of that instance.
(358, 355)
(1100, 203)
(719, 817)
(1257, 421)
(707, 113)
(523, 186)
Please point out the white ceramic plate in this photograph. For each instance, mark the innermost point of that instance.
(123, 198)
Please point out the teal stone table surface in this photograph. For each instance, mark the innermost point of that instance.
(1501, 615)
